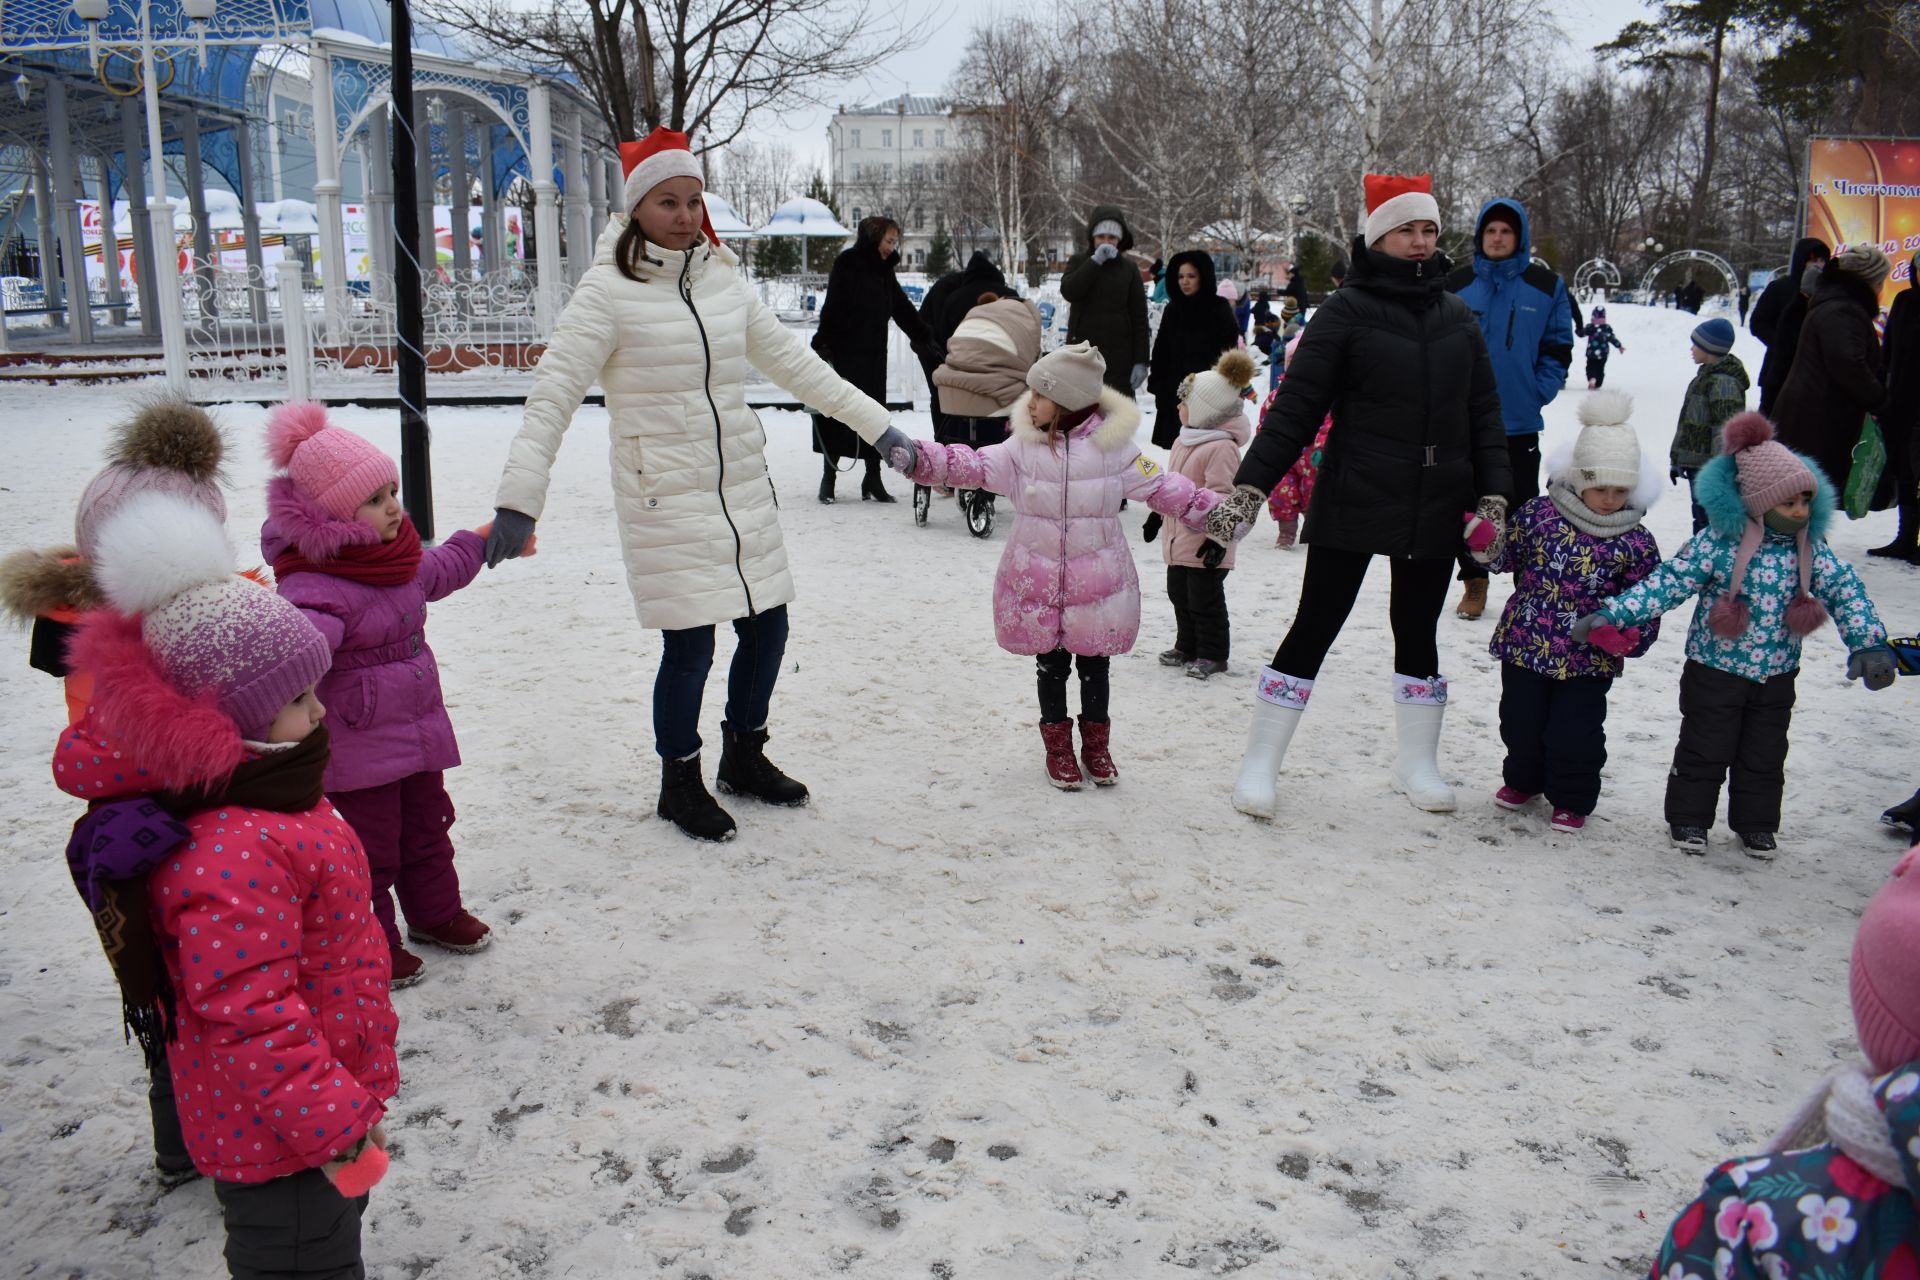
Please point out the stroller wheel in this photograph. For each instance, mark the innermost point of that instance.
(980, 515)
(922, 501)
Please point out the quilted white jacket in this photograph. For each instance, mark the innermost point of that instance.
(698, 524)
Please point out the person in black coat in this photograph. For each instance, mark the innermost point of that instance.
(947, 302)
(1900, 424)
(1195, 328)
(1836, 379)
(1106, 301)
(862, 296)
(1417, 449)
(1296, 287)
(1777, 315)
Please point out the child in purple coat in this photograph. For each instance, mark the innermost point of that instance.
(1578, 544)
(346, 554)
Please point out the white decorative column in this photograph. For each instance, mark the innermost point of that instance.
(326, 196)
(133, 185)
(546, 215)
(46, 228)
(579, 232)
(428, 250)
(377, 144)
(492, 225)
(597, 191)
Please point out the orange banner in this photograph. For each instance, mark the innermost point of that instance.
(1867, 191)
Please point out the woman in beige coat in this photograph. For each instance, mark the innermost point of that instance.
(663, 321)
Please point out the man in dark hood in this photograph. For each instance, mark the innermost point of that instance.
(1107, 301)
(1777, 316)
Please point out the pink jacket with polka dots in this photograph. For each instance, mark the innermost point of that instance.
(285, 1053)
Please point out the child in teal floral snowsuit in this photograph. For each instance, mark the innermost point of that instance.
(1833, 1198)
(1568, 550)
(1766, 578)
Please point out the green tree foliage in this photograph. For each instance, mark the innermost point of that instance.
(940, 252)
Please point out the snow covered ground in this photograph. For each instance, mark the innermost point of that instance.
(950, 1023)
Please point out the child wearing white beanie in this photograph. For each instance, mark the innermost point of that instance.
(1578, 544)
(1213, 430)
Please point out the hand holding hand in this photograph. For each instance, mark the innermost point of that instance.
(1105, 253)
(508, 536)
(1583, 628)
(899, 450)
(1611, 639)
(1150, 528)
(1873, 667)
(1235, 514)
(1486, 529)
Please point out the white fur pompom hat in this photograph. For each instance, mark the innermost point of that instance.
(1607, 452)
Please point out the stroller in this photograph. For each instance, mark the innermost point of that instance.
(976, 505)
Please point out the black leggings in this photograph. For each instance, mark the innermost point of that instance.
(1052, 671)
(1327, 592)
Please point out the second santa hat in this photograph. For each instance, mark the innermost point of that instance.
(1395, 199)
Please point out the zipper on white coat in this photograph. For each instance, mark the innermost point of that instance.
(719, 439)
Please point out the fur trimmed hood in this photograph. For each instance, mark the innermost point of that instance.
(163, 739)
(1717, 490)
(1111, 425)
(39, 584)
(296, 522)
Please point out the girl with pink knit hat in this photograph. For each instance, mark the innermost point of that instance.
(1836, 1194)
(344, 551)
(1766, 578)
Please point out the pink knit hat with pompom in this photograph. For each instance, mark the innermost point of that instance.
(1885, 973)
(1768, 474)
(333, 468)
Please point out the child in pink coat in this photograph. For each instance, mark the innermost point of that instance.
(344, 551)
(1213, 430)
(1289, 499)
(1066, 591)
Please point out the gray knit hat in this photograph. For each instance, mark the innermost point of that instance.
(1107, 228)
(1865, 262)
(1071, 377)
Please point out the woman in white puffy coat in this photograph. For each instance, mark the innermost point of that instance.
(666, 325)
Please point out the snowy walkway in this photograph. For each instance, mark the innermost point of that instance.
(949, 1023)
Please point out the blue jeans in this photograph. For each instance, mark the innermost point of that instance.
(685, 659)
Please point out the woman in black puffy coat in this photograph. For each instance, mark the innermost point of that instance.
(862, 297)
(1195, 328)
(1416, 452)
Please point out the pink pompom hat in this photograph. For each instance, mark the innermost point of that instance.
(1768, 474)
(333, 468)
(1885, 974)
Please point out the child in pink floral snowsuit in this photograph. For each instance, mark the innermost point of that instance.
(1066, 591)
(1288, 501)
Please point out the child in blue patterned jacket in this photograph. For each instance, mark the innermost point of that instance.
(1569, 549)
(1764, 568)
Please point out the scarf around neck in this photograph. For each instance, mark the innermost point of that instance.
(1201, 435)
(1586, 519)
(378, 564)
(285, 782)
(1841, 1110)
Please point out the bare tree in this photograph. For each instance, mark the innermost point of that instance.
(1009, 89)
(754, 178)
(703, 67)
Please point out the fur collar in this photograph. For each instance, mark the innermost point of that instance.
(295, 520)
(1110, 427)
(34, 584)
(1717, 489)
(180, 741)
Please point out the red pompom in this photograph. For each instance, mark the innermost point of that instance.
(1729, 616)
(356, 1179)
(1745, 430)
(292, 424)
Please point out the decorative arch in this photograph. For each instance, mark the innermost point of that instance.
(1596, 269)
(362, 86)
(1713, 260)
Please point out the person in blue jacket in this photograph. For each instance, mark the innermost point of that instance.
(1527, 318)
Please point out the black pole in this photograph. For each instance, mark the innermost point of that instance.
(416, 469)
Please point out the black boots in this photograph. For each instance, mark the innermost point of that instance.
(826, 478)
(746, 771)
(685, 803)
(871, 486)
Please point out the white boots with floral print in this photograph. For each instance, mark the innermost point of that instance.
(1419, 706)
(1278, 701)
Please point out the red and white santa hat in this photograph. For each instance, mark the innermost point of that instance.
(1395, 199)
(660, 155)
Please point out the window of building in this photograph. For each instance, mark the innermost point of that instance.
(919, 137)
(886, 137)
(853, 137)
(856, 213)
(939, 137)
(940, 171)
(886, 173)
(919, 257)
(919, 218)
